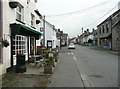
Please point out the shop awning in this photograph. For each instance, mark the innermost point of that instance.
(108, 35)
(18, 29)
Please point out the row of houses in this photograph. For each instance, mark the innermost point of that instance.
(106, 35)
(24, 30)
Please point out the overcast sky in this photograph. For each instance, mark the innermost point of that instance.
(71, 15)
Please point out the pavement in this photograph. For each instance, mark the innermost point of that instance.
(66, 74)
(33, 77)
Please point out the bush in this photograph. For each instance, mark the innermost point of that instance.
(39, 51)
(55, 55)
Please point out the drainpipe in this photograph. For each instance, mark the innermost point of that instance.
(111, 30)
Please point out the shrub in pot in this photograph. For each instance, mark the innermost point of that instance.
(48, 67)
(52, 62)
(55, 56)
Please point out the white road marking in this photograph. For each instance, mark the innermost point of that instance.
(72, 53)
(68, 53)
(85, 81)
(83, 77)
(75, 58)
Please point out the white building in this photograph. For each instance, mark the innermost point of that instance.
(19, 28)
(90, 36)
(50, 35)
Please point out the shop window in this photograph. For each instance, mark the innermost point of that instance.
(19, 13)
(19, 45)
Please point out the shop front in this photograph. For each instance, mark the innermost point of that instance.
(23, 40)
(106, 41)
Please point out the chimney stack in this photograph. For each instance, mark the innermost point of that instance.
(87, 30)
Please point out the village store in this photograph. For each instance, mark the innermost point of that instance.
(21, 39)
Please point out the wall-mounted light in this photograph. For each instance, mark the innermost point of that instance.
(37, 21)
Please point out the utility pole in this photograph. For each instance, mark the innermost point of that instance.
(44, 30)
(82, 30)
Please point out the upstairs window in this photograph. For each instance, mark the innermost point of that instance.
(32, 20)
(107, 29)
(19, 13)
(103, 29)
(100, 30)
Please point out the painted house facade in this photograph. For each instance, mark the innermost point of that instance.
(105, 33)
(1, 35)
(108, 32)
(83, 38)
(19, 28)
(50, 35)
(116, 30)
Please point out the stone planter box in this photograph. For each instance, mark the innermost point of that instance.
(48, 69)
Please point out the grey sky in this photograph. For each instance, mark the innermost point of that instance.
(72, 23)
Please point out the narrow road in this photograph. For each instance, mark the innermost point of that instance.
(85, 67)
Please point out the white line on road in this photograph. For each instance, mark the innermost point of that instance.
(86, 83)
(72, 53)
(75, 58)
(68, 53)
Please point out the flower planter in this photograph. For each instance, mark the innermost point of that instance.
(55, 56)
(48, 69)
(52, 61)
(5, 43)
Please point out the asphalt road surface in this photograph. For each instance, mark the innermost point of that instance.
(85, 67)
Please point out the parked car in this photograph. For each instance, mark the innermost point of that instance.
(71, 46)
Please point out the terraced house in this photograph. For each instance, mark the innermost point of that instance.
(20, 29)
(108, 32)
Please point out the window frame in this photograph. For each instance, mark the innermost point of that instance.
(32, 20)
(107, 28)
(19, 13)
(19, 44)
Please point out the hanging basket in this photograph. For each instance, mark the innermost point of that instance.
(5, 43)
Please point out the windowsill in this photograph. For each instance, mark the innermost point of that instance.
(20, 21)
(33, 27)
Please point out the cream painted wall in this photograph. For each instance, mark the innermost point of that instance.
(9, 18)
(48, 33)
